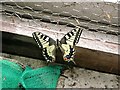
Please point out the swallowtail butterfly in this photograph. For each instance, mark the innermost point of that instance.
(66, 44)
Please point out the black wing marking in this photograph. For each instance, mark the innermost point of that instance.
(47, 45)
(42, 39)
(72, 37)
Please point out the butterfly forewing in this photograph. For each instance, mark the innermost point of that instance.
(47, 45)
(43, 40)
(72, 37)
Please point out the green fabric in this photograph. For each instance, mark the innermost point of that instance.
(13, 75)
(45, 77)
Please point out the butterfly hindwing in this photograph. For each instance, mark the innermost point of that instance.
(47, 45)
(68, 42)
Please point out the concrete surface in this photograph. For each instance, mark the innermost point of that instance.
(77, 78)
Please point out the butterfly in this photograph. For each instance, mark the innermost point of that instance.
(66, 45)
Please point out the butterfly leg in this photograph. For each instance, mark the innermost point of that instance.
(73, 62)
(62, 71)
(64, 76)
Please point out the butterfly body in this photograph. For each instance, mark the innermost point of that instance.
(66, 46)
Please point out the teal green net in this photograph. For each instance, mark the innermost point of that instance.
(13, 76)
(11, 73)
(45, 77)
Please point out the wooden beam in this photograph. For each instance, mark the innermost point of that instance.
(91, 40)
(18, 40)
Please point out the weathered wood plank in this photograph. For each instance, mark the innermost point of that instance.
(101, 60)
(91, 40)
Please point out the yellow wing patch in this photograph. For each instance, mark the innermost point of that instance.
(51, 50)
(65, 49)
